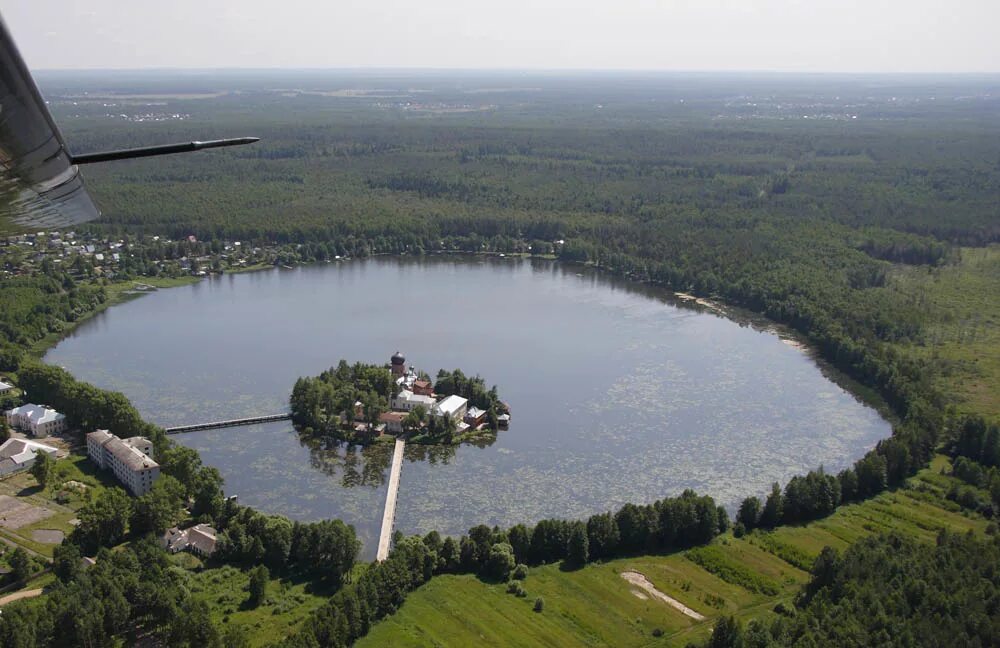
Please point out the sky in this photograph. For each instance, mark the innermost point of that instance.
(931, 36)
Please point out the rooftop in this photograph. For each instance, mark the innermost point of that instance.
(37, 413)
(451, 404)
(131, 457)
(22, 450)
(100, 436)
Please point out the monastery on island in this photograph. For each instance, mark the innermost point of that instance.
(411, 392)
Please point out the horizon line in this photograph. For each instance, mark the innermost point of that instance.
(526, 70)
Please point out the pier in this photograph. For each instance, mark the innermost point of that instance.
(389, 515)
(178, 429)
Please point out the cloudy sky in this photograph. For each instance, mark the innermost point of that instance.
(783, 35)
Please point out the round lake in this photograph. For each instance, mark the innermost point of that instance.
(617, 393)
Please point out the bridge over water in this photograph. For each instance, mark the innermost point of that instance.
(389, 515)
(178, 429)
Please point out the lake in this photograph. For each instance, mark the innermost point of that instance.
(618, 392)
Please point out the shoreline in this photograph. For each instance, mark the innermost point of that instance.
(121, 292)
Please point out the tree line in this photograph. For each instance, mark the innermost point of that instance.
(495, 554)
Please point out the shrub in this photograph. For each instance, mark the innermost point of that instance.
(520, 572)
(539, 604)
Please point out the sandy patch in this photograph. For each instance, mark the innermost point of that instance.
(48, 536)
(17, 596)
(643, 583)
(795, 344)
(15, 513)
(639, 595)
(705, 303)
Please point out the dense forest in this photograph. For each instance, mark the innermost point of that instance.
(793, 201)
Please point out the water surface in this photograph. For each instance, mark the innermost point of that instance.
(618, 394)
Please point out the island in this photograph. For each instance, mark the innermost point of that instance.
(362, 403)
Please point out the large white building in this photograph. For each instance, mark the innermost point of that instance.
(41, 421)
(407, 400)
(454, 407)
(131, 460)
(19, 454)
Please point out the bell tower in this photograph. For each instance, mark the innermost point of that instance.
(398, 363)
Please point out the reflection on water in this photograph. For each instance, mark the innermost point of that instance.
(617, 394)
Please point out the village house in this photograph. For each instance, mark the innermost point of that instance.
(131, 460)
(423, 388)
(393, 422)
(475, 417)
(199, 539)
(5, 388)
(39, 420)
(19, 454)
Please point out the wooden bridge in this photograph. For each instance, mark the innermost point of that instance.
(178, 429)
(389, 514)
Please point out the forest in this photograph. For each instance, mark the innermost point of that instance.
(796, 201)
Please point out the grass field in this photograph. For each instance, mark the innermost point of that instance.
(962, 325)
(594, 606)
(225, 589)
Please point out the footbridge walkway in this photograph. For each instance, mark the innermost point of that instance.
(178, 429)
(389, 515)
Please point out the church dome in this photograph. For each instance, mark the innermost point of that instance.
(397, 358)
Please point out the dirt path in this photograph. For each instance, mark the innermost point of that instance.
(642, 582)
(17, 596)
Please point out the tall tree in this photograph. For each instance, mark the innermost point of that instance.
(41, 470)
(257, 587)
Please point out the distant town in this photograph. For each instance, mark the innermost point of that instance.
(91, 256)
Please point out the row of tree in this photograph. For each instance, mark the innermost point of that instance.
(324, 550)
(471, 388)
(495, 554)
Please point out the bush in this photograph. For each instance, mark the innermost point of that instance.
(739, 530)
(539, 604)
(657, 632)
(520, 572)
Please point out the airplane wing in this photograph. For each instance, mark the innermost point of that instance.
(40, 183)
(40, 187)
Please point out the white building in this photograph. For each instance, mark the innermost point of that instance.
(407, 400)
(19, 454)
(454, 407)
(37, 419)
(131, 460)
(5, 387)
